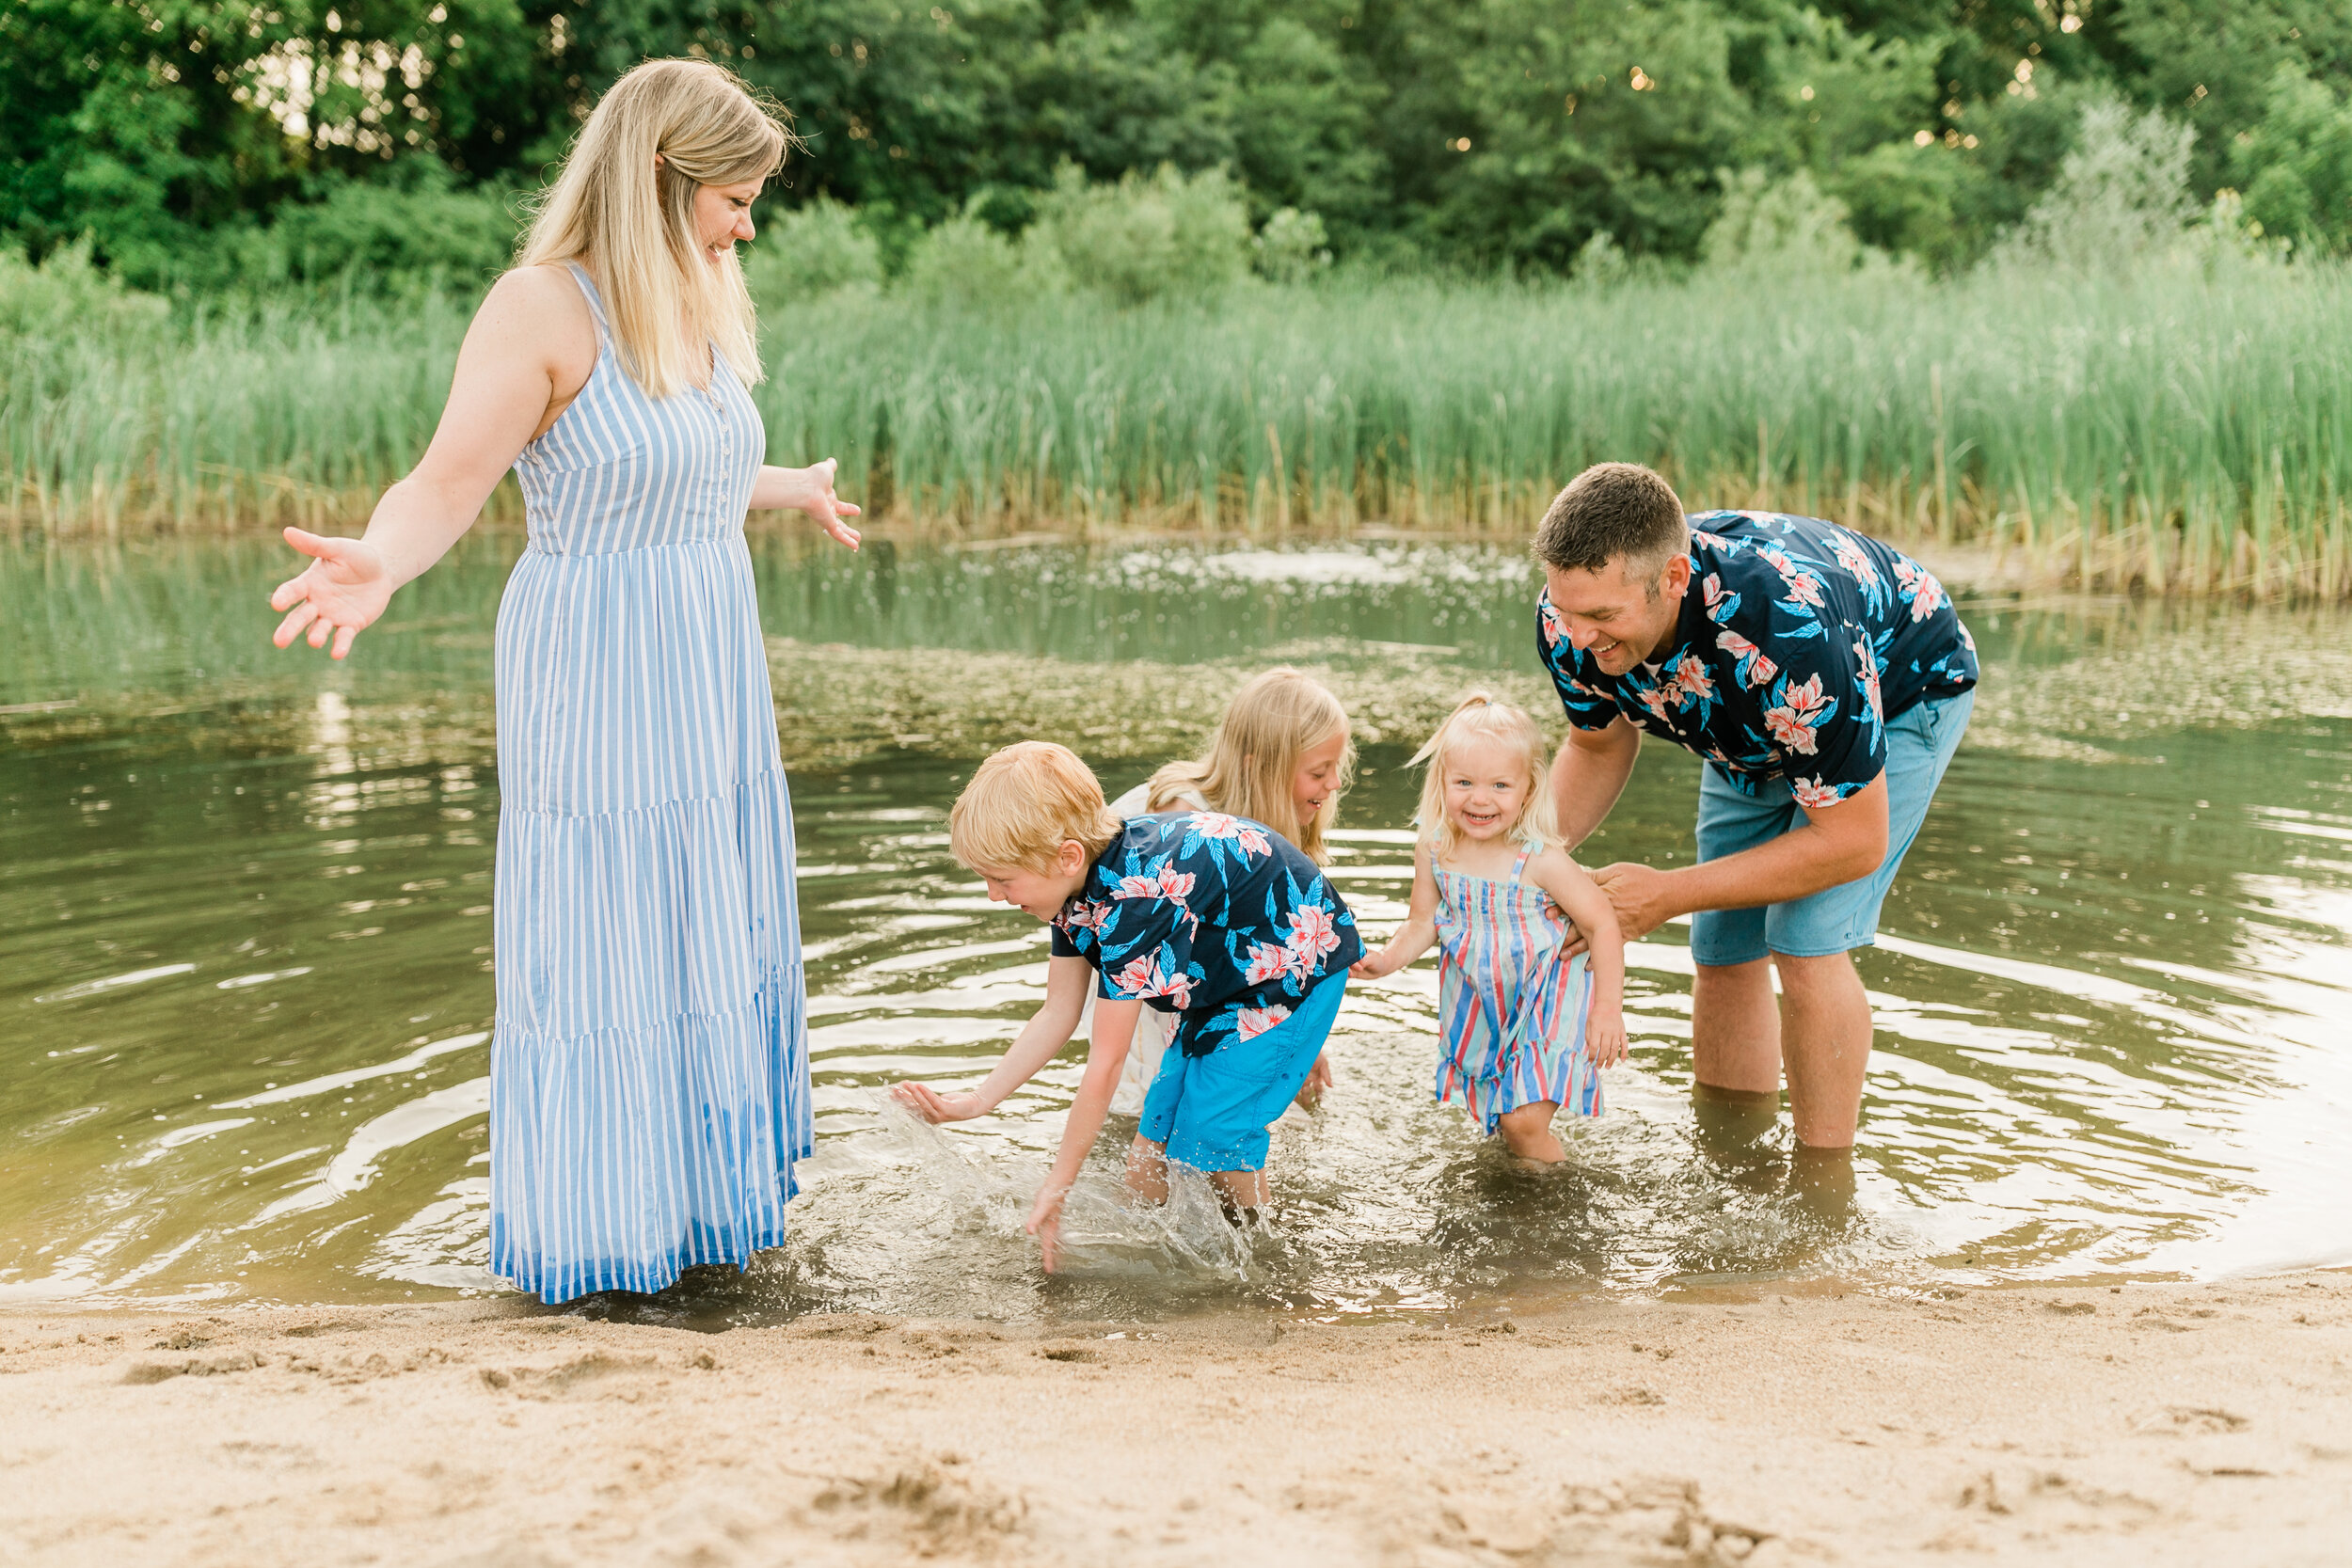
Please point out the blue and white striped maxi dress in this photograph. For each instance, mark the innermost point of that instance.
(650, 1064)
(1511, 1010)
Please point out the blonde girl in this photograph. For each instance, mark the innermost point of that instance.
(649, 1074)
(1283, 754)
(1522, 1029)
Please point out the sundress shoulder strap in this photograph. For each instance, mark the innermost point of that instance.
(1518, 867)
(596, 300)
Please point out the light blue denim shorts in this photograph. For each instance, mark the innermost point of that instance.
(1920, 746)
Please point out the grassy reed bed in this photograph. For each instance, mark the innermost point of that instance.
(2189, 427)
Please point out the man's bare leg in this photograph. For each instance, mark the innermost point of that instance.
(1825, 1036)
(1734, 1028)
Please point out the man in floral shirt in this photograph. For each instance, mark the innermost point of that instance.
(1215, 918)
(1826, 679)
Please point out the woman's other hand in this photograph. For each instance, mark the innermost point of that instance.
(339, 595)
(935, 1107)
(808, 490)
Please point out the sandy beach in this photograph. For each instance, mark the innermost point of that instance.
(2143, 1423)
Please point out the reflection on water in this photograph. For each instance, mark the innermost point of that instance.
(245, 955)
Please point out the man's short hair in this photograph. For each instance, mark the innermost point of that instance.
(1613, 512)
(1023, 803)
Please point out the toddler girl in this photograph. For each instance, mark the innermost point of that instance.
(1282, 755)
(1523, 1031)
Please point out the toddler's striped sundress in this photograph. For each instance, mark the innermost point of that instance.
(1510, 1010)
(649, 1062)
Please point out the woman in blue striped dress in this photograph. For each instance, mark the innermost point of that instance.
(649, 1068)
(1524, 1029)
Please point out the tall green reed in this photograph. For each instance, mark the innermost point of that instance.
(2188, 427)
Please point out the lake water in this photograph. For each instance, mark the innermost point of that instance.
(245, 949)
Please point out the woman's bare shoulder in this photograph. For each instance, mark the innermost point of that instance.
(546, 295)
(540, 308)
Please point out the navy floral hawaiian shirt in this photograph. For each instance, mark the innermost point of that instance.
(1216, 918)
(1799, 640)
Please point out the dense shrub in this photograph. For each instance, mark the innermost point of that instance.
(1165, 233)
(804, 252)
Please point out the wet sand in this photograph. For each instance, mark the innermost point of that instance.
(2142, 1424)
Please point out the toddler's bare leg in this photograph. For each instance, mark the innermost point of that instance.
(1147, 1170)
(1527, 1132)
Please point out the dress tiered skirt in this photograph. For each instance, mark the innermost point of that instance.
(649, 1066)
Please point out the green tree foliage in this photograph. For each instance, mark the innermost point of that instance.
(212, 141)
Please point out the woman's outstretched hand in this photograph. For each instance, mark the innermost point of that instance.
(808, 490)
(339, 595)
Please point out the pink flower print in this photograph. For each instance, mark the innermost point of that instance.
(1553, 627)
(1711, 590)
(1655, 698)
(1812, 793)
(1756, 670)
(1143, 977)
(1851, 557)
(1713, 541)
(1919, 586)
(1177, 885)
(1803, 587)
(1253, 1022)
(1217, 825)
(1867, 665)
(1792, 723)
(1267, 961)
(1136, 887)
(1693, 681)
(1085, 916)
(1314, 933)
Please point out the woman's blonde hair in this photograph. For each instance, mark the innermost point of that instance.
(1273, 722)
(1022, 803)
(1480, 717)
(633, 223)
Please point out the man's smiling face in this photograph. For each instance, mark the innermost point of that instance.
(1621, 619)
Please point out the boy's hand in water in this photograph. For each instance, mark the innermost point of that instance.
(1045, 1221)
(934, 1107)
(1604, 1038)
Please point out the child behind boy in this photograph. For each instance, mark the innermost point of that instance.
(1216, 918)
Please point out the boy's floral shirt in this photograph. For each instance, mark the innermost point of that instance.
(1218, 919)
(1799, 640)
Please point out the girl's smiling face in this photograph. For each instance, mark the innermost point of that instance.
(1317, 776)
(1486, 787)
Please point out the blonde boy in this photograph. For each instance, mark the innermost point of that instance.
(1215, 918)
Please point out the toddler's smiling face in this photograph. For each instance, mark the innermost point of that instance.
(1486, 788)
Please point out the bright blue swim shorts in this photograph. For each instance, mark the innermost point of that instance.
(1213, 1110)
(1920, 746)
